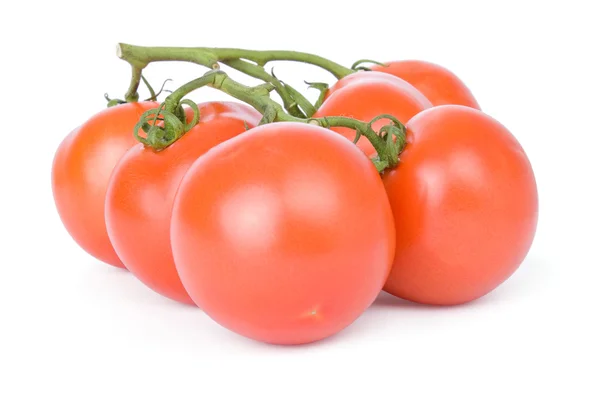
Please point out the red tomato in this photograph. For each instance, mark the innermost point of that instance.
(270, 237)
(465, 203)
(81, 169)
(365, 95)
(142, 190)
(371, 76)
(437, 83)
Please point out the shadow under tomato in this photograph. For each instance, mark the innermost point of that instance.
(387, 309)
(388, 301)
(384, 313)
(524, 282)
(389, 312)
(123, 284)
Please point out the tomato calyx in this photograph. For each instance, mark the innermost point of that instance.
(171, 115)
(173, 123)
(394, 137)
(389, 141)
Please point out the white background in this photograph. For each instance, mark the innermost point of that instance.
(77, 329)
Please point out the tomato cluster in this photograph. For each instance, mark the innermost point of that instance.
(285, 231)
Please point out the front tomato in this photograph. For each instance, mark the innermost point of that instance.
(283, 234)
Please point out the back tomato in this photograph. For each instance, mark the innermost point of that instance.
(81, 169)
(437, 83)
(365, 95)
(142, 190)
(361, 76)
(283, 234)
(465, 202)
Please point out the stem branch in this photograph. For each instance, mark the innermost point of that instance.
(208, 56)
(258, 97)
(258, 72)
(140, 56)
(136, 74)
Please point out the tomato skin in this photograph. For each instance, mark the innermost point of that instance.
(142, 190)
(270, 236)
(437, 83)
(465, 202)
(362, 76)
(364, 96)
(81, 169)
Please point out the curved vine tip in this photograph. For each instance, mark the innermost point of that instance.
(160, 137)
(323, 88)
(162, 88)
(394, 137)
(273, 73)
(113, 102)
(358, 67)
(298, 99)
(153, 95)
(196, 116)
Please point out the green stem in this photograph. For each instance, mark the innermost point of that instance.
(171, 112)
(323, 88)
(208, 56)
(305, 105)
(258, 97)
(174, 99)
(387, 149)
(150, 89)
(258, 72)
(136, 74)
(139, 57)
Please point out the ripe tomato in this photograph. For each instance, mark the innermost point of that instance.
(361, 76)
(142, 190)
(365, 95)
(437, 83)
(270, 237)
(81, 169)
(465, 203)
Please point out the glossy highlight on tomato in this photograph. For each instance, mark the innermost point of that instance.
(142, 190)
(438, 84)
(366, 95)
(81, 169)
(283, 234)
(465, 203)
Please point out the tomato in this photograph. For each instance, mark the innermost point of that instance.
(437, 83)
(142, 190)
(81, 169)
(361, 76)
(364, 96)
(465, 203)
(283, 234)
